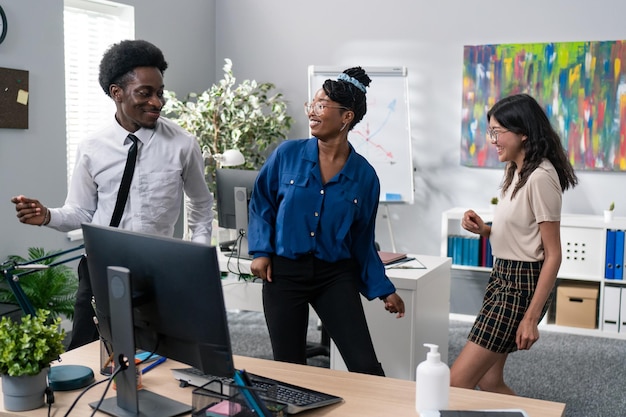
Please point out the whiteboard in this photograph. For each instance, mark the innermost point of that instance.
(383, 137)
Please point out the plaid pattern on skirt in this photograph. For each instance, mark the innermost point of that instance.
(507, 297)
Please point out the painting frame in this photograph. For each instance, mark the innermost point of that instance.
(580, 85)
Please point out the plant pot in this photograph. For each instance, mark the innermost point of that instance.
(21, 393)
(608, 215)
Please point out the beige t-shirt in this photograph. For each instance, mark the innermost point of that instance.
(515, 229)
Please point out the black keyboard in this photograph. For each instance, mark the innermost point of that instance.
(297, 399)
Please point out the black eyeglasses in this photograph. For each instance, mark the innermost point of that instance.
(318, 108)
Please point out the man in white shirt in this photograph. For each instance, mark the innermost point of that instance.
(169, 162)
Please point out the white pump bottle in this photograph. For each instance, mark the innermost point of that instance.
(432, 383)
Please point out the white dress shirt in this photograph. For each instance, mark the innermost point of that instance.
(169, 162)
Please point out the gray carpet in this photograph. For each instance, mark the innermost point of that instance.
(249, 337)
(588, 374)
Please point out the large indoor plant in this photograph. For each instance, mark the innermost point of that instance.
(247, 117)
(26, 349)
(52, 289)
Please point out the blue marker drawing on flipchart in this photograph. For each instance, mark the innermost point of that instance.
(383, 137)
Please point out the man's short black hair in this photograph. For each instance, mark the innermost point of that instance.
(123, 57)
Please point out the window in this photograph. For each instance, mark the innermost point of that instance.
(90, 27)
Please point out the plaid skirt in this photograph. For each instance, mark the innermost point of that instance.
(507, 297)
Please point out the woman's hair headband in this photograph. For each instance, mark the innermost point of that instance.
(345, 77)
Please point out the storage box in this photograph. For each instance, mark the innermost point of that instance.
(577, 305)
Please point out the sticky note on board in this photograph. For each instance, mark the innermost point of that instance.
(393, 197)
(22, 97)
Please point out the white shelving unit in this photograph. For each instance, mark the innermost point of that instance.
(583, 242)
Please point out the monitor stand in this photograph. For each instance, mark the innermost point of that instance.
(130, 402)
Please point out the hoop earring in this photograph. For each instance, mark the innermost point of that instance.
(343, 127)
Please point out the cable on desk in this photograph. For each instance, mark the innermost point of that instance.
(83, 393)
(49, 399)
(122, 367)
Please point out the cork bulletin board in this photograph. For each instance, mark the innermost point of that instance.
(13, 98)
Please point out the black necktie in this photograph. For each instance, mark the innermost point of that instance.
(122, 194)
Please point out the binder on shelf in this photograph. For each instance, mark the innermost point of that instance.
(457, 252)
(483, 251)
(489, 255)
(474, 253)
(611, 310)
(618, 270)
(466, 251)
(609, 269)
(622, 311)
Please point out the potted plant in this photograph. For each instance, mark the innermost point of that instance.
(26, 349)
(52, 289)
(493, 203)
(608, 214)
(246, 117)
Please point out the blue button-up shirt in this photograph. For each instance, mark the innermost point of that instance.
(293, 213)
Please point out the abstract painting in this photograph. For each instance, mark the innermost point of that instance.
(581, 85)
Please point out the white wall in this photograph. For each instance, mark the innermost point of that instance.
(32, 161)
(276, 40)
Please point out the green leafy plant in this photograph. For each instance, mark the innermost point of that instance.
(28, 346)
(246, 117)
(53, 289)
(494, 200)
(612, 206)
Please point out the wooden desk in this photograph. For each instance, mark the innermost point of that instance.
(364, 395)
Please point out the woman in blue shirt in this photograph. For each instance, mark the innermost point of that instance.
(311, 232)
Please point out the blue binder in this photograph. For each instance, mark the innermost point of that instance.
(457, 253)
(618, 270)
(466, 251)
(475, 259)
(609, 270)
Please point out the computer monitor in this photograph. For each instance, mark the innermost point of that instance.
(234, 189)
(157, 294)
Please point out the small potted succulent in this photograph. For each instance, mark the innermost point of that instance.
(608, 214)
(494, 203)
(27, 348)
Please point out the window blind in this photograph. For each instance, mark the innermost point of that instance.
(90, 27)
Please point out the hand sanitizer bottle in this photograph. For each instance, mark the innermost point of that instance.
(432, 383)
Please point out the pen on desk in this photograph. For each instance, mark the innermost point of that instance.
(254, 401)
(153, 364)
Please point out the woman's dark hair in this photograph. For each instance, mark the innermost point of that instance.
(119, 61)
(348, 95)
(521, 114)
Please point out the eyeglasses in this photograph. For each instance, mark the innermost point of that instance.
(318, 108)
(493, 134)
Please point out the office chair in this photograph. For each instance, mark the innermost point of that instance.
(319, 349)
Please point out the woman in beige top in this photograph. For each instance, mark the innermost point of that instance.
(525, 237)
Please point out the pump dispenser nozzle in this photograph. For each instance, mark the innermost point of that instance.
(433, 355)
